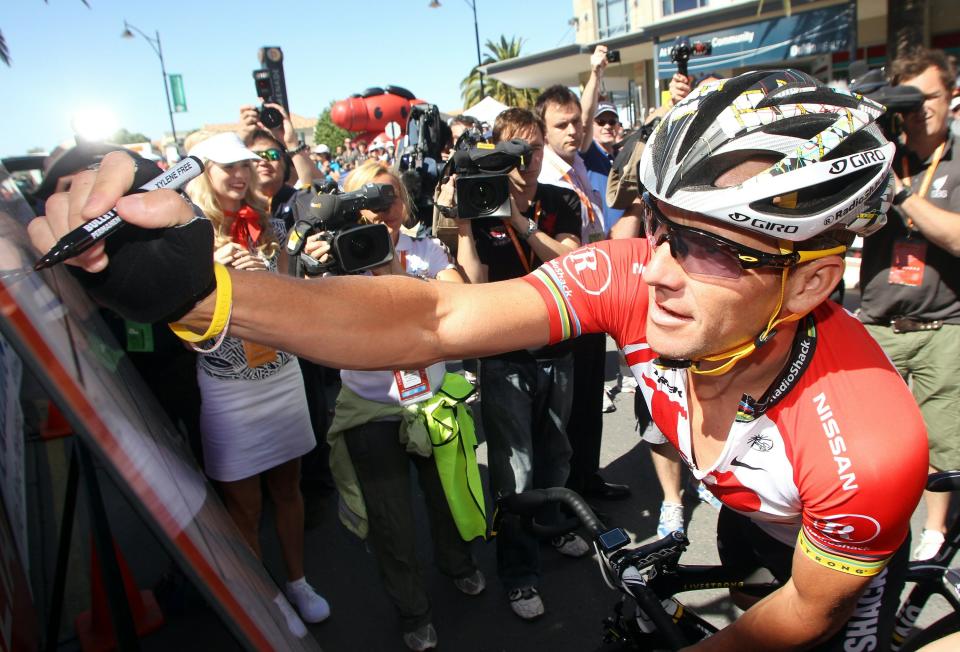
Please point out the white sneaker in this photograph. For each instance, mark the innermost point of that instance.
(294, 624)
(526, 603)
(628, 385)
(671, 519)
(571, 544)
(312, 607)
(421, 639)
(929, 546)
(608, 405)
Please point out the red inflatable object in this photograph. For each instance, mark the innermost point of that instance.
(368, 113)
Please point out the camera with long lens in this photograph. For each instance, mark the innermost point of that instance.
(898, 100)
(427, 135)
(683, 49)
(483, 184)
(354, 247)
(267, 115)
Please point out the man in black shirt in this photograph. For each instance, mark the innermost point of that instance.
(525, 395)
(909, 277)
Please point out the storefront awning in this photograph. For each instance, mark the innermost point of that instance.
(807, 34)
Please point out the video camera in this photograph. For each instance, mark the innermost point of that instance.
(268, 116)
(898, 100)
(483, 187)
(683, 49)
(354, 247)
(427, 135)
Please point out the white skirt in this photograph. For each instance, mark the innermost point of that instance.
(251, 426)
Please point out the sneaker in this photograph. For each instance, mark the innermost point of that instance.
(424, 638)
(608, 405)
(294, 624)
(671, 519)
(312, 607)
(472, 584)
(526, 603)
(571, 544)
(628, 385)
(929, 546)
(706, 496)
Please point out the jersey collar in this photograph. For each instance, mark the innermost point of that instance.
(801, 353)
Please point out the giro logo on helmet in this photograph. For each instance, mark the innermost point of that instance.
(858, 161)
(739, 217)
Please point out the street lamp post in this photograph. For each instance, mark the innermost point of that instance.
(154, 42)
(435, 4)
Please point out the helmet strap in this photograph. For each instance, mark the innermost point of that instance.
(735, 355)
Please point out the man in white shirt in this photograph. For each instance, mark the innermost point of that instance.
(566, 136)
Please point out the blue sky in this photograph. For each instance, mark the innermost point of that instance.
(67, 57)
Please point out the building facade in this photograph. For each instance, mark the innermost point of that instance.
(820, 37)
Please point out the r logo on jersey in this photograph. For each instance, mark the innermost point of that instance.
(590, 269)
(849, 528)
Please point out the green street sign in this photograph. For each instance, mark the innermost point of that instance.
(179, 97)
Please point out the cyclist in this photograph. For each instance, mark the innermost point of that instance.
(776, 398)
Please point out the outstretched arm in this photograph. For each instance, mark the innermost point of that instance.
(591, 91)
(347, 322)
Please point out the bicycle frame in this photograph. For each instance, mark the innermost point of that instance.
(930, 577)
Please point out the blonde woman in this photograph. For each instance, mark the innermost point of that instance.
(371, 432)
(254, 418)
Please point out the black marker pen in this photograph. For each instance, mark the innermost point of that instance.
(97, 229)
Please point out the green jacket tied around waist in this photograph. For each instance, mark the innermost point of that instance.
(441, 426)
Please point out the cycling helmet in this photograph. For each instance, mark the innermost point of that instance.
(832, 166)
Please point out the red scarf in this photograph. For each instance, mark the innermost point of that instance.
(245, 230)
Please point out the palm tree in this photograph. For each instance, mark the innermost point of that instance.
(509, 95)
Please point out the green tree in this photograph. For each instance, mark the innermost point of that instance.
(123, 137)
(328, 133)
(509, 95)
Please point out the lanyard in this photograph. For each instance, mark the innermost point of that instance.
(584, 200)
(927, 178)
(583, 197)
(516, 242)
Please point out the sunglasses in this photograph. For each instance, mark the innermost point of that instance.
(272, 154)
(610, 122)
(706, 254)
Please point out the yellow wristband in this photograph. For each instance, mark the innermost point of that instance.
(221, 310)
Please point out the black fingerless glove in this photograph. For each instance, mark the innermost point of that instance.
(154, 275)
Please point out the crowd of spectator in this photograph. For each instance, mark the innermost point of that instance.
(258, 410)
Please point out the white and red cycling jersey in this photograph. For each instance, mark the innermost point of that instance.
(832, 457)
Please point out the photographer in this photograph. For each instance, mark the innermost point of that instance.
(909, 277)
(372, 445)
(525, 394)
(285, 163)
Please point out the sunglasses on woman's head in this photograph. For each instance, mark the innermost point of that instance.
(272, 154)
(706, 254)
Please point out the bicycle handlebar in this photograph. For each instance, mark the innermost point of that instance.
(943, 481)
(528, 502)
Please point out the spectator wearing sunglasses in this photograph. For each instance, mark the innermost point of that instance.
(284, 163)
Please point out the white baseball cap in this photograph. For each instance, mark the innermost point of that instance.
(223, 148)
(321, 149)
